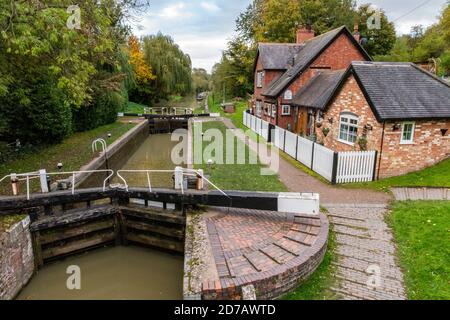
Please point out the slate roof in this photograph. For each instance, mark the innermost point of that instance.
(309, 51)
(402, 90)
(319, 90)
(275, 56)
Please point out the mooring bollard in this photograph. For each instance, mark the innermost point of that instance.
(14, 184)
(200, 180)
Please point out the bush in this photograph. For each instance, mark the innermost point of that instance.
(38, 116)
(102, 111)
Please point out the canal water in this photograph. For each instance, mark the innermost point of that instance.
(154, 154)
(111, 274)
(120, 272)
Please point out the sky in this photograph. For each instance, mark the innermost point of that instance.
(202, 28)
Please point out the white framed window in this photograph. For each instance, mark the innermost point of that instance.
(348, 128)
(407, 133)
(285, 110)
(260, 79)
(274, 111)
(288, 95)
(258, 108)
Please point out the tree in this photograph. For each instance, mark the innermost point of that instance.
(235, 70)
(143, 73)
(201, 80)
(400, 52)
(51, 71)
(278, 20)
(430, 45)
(376, 28)
(171, 65)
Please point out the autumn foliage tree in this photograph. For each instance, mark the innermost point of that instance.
(56, 78)
(143, 73)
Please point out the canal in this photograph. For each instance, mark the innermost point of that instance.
(129, 272)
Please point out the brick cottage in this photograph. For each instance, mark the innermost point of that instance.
(281, 70)
(397, 109)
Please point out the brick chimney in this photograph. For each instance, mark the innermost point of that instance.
(356, 33)
(304, 34)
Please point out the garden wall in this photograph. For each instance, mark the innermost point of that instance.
(16, 259)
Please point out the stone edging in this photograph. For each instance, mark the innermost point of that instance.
(276, 282)
(98, 162)
(421, 193)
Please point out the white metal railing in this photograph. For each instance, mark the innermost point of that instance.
(37, 175)
(185, 172)
(43, 175)
(147, 172)
(102, 143)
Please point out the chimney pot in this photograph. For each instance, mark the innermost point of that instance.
(356, 33)
(304, 33)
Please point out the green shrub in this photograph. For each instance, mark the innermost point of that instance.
(102, 111)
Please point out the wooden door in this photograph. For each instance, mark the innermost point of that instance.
(302, 121)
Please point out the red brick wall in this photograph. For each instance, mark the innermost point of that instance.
(339, 55)
(350, 99)
(269, 76)
(429, 145)
(283, 121)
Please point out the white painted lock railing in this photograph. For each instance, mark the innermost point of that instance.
(42, 175)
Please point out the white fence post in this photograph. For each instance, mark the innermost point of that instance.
(43, 180)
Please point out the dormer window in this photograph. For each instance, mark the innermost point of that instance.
(260, 79)
(288, 95)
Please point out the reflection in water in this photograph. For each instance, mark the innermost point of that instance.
(111, 273)
(154, 154)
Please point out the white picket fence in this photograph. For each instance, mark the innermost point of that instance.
(355, 166)
(336, 167)
(257, 125)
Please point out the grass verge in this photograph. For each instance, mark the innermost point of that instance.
(133, 107)
(435, 176)
(73, 152)
(236, 176)
(421, 230)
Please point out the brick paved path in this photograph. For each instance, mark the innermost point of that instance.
(403, 194)
(365, 249)
(252, 245)
(365, 246)
(249, 241)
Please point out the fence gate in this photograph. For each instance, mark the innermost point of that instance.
(356, 166)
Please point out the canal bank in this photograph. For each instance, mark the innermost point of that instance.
(95, 230)
(225, 242)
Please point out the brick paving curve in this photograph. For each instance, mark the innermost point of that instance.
(365, 263)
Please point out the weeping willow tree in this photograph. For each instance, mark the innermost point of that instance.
(170, 64)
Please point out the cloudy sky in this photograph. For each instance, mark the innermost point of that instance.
(203, 27)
